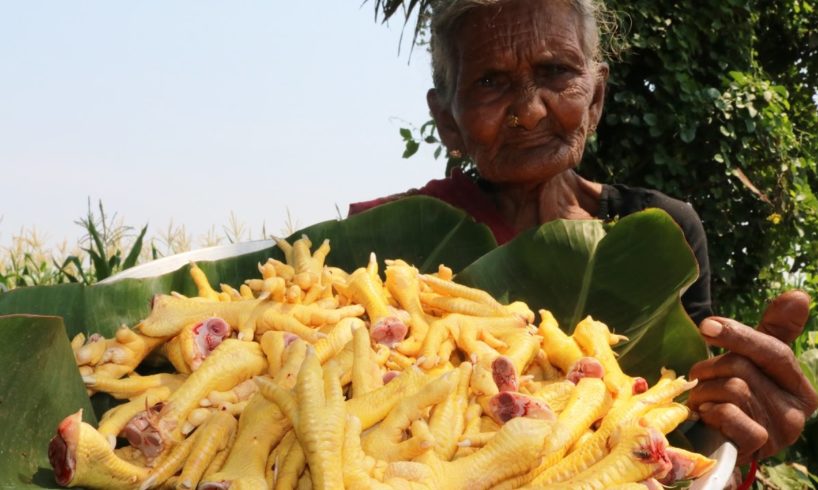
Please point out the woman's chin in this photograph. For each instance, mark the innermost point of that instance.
(524, 170)
(520, 164)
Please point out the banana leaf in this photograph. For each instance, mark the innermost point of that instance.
(630, 278)
(39, 387)
(421, 230)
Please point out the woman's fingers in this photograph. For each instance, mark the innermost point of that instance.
(724, 366)
(737, 426)
(756, 394)
(786, 316)
(771, 355)
(723, 390)
(742, 384)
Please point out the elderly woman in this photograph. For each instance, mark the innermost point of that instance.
(519, 87)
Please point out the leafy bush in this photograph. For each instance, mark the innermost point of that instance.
(712, 103)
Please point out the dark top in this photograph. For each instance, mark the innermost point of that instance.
(464, 193)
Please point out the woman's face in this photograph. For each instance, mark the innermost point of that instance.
(522, 59)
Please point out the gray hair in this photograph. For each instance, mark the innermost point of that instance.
(446, 16)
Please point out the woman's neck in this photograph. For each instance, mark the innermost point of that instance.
(564, 196)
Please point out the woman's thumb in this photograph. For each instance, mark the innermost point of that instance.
(786, 316)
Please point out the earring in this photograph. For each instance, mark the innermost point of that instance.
(512, 121)
(455, 153)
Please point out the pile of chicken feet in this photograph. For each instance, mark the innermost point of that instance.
(312, 377)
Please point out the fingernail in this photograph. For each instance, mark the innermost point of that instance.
(704, 407)
(711, 328)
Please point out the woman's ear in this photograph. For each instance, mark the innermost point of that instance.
(444, 120)
(598, 100)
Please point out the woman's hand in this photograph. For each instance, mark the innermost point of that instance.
(756, 394)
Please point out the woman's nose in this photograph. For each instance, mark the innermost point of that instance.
(530, 107)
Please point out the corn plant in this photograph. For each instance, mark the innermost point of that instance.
(28, 263)
(107, 246)
(105, 238)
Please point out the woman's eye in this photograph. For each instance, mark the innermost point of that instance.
(552, 70)
(486, 82)
(490, 81)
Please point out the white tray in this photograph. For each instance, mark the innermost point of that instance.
(708, 441)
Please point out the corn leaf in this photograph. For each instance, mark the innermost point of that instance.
(630, 278)
(136, 249)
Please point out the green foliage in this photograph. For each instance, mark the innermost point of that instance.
(786, 475)
(809, 365)
(412, 145)
(427, 133)
(107, 247)
(104, 250)
(29, 270)
(388, 8)
(726, 122)
(101, 253)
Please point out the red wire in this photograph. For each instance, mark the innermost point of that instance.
(750, 478)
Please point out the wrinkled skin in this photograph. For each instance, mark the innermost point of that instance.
(525, 59)
(756, 394)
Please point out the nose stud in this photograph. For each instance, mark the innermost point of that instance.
(512, 121)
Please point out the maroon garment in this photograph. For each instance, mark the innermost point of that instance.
(460, 191)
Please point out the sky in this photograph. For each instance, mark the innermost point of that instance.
(187, 111)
